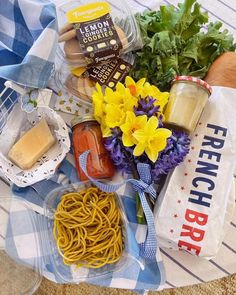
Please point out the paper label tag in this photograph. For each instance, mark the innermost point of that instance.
(109, 74)
(87, 13)
(96, 32)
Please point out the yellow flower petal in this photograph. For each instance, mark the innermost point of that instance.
(129, 103)
(161, 99)
(141, 82)
(131, 125)
(142, 120)
(159, 142)
(129, 81)
(120, 88)
(140, 135)
(127, 140)
(114, 98)
(108, 91)
(98, 109)
(106, 131)
(139, 149)
(114, 116)
(134, 88)
(98, 87)
(152, 154)
(151, 125)
(164, 132)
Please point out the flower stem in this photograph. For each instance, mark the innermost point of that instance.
(140, 213)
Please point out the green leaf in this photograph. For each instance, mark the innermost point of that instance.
(174, 43)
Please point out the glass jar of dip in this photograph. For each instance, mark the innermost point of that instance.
(87, 135)
(188, 97)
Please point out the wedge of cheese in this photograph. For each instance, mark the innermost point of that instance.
(32, 145)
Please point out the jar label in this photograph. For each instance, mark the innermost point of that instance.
(96, 32)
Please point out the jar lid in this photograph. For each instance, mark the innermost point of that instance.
(77, 120)
(20, 252)
(196, 80)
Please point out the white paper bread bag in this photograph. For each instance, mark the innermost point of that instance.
(195, 202)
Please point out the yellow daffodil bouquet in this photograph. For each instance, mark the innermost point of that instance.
(131, 119)
(124, 108)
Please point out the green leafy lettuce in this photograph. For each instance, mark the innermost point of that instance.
(178, 42)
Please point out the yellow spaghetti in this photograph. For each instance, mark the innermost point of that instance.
(87, 228)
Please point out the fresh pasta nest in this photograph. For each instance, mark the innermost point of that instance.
(88, 228)
(86, 233)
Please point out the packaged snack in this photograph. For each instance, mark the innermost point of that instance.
(81, 81)
(93, 32)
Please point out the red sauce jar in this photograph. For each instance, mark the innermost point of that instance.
(87, 135)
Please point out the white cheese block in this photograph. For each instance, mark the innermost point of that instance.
(32, 145)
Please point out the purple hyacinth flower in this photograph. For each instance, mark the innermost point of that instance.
(119, 154)
(176, 150)
(146, 107)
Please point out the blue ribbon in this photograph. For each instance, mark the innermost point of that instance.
(144, 185)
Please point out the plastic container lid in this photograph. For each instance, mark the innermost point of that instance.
(72, 51)
(196, 80)
(16, 278)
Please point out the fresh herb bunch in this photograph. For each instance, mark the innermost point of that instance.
(178, 42)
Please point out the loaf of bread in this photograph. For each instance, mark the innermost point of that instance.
(223, 71)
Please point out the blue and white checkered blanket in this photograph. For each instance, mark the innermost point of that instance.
(28, 40)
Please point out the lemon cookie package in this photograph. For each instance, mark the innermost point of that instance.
(94, 32)
(80, 82)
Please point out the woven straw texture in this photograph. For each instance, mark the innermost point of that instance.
(225, 286)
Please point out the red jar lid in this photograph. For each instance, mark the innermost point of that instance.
(194, 80)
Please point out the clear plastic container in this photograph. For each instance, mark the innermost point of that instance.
(17, 278)
(125, 25)
(81, 85)
(64, 272)
(188, 97)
